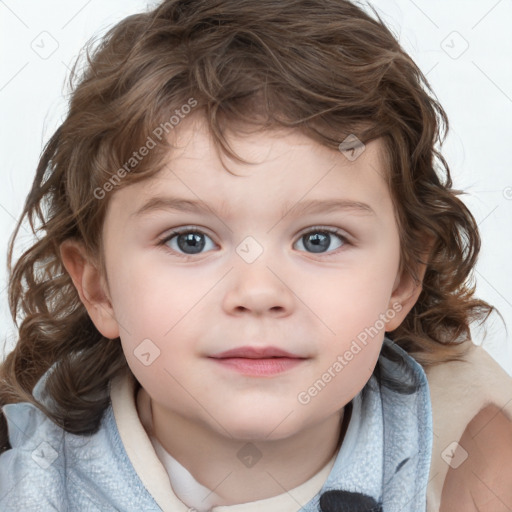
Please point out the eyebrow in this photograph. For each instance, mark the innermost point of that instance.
(300, 208)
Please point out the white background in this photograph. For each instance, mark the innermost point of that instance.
(40, 40)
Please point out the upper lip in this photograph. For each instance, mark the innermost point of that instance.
(255, 353)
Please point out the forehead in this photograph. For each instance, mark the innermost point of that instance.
(286, 169)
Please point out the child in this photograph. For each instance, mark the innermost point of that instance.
(282, 365)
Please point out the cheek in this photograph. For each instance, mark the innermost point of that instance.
(145, 304)
(341, 375)
(350, 301)
(330, 392)
(353, 312)
(153, 315)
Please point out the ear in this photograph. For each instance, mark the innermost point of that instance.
(406, 292)
(91, 287)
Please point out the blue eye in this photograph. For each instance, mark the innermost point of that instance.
(190, 242)
(318, 240)
(186, 239)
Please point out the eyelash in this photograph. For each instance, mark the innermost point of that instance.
(313, 229)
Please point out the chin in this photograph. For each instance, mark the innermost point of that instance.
(257, 426)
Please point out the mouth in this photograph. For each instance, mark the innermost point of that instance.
(258, 361)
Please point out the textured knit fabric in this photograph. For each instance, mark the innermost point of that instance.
(383, 466)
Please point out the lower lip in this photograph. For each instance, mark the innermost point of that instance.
(259, 367)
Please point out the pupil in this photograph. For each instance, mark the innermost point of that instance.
(191, 241)
(319, 241)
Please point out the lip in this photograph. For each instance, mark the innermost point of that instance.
(249, 352)
(258, 361)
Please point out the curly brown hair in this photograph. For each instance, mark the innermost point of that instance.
(324, 67)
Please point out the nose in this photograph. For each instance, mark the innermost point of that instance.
(258, 288)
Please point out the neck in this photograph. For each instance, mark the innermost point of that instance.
(240, 471)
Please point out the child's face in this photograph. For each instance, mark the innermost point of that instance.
(251, 279)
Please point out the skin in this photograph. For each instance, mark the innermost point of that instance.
(311, 304)
(482, 482)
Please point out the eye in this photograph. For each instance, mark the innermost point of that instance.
(319, 239)
(189, 241)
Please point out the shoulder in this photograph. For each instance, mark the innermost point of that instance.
(30, 476)
(472, 426)
(50, 469)
(461, 389)
(480, 480)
